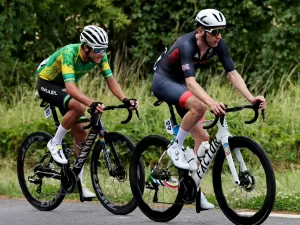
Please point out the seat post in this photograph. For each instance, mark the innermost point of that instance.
(173, 117)
(56, 121)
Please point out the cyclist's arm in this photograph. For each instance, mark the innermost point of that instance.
(198, 91)
(113, 85)
(77, 94)
(235, 78)
(115, 88)
(239, 84)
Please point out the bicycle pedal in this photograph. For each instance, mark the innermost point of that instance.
(198, 210)
(86, 199)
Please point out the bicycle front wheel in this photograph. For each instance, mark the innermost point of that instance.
(112, 187)
(159, 199)
(39, 176)
(257, 186)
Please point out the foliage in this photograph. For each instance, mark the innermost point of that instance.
(32, 30)
(255, 31)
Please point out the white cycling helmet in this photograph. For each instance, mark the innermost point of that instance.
(94, 37)
(210, 18)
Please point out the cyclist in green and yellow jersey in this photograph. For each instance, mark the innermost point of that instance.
(56, 83)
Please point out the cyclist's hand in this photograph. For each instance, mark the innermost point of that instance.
(97, 107)
(131, 103)
(262, 101)
(218, 108)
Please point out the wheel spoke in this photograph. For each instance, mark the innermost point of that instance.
(34, 162)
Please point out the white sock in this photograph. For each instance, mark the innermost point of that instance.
(80, 175)
(181, 135)
(60, 133)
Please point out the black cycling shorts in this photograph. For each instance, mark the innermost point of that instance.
(54, 93)
(170, 91)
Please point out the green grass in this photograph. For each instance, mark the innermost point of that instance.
(279, 136)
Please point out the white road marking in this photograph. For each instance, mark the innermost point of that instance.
(292, 216)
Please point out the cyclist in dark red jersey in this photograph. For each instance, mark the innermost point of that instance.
(174, 82)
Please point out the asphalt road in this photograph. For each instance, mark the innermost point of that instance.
(20, 212)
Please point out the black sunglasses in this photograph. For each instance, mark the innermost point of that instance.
(99, 50)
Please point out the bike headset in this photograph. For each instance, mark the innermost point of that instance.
(210, 18)
(94, 37)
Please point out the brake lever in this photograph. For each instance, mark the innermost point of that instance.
(137, 114)
(263, 115)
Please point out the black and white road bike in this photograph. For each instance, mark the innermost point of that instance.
(45, 183)
(242, 174)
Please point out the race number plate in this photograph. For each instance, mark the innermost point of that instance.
(169, 126)
(47, 111)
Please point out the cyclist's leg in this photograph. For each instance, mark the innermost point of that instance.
(198, 133)
(71, 110)
(75, 111)
(80, 136)
(188, 107)
(191, 111)
(176, 93)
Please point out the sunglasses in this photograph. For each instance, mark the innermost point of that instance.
(215, 32)
(99, 50)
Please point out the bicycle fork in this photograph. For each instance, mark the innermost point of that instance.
(223, 135)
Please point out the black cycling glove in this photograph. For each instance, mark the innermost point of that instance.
(94, 105)
(126, 101)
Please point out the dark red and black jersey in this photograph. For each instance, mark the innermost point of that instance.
(183, 58)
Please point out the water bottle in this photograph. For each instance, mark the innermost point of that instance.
(203, 148)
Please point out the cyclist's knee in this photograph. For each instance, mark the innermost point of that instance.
(198, 111)
(205, 136)
(197, 107)
(77, 107)
(78, 128)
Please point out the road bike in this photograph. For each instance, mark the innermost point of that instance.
(45, 183)
(246, 176)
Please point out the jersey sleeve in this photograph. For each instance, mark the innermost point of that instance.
(224, 56)
(186, 57)
(67, 65)
(105, 68)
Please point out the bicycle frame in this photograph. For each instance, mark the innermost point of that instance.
(221, 138)
(97, 129)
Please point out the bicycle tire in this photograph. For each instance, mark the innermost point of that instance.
(35, 138)
(108, 200)
(159, 216)
(237, 217)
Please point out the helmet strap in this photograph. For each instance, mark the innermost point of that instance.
(204, 39)
(87, 53)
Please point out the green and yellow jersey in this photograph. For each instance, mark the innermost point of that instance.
(66, 65)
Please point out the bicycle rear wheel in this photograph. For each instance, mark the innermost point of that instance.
(160, 199)
(257, 188)
(42, 192)
(113, 188)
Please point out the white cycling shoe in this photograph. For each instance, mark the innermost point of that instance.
(176, 154)
(86, 193)
(57, 153)
(204, 204)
